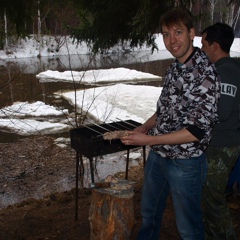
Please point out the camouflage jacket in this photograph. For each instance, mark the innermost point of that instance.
(189, 97)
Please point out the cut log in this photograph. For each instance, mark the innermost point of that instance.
(111, 213)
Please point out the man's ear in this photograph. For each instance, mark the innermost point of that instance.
(192, 33)
(215, 46)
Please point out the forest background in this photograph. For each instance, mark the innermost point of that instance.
(104, 23)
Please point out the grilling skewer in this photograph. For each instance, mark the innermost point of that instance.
(112, 126)
(92, 129)
(108, 130)
(127, 122)
(109, 135)
(100, 127)
(123, 126)
(113, 134)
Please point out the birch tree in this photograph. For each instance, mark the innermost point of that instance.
(39, 30)
(235, 13)
(236, 18)
(5, 28)
(212, 8)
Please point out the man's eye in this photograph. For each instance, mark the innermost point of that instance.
(178, 32)
(165, 35)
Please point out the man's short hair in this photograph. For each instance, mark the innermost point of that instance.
(176, 17)
(220, 33)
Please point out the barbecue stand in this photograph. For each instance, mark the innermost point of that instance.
(88, 141)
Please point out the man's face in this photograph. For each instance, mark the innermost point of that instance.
(207, 48)
(178, 41)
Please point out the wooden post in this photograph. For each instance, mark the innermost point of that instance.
(111, 213)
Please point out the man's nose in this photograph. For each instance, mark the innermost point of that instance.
(172, 39)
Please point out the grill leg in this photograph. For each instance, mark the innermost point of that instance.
(81, 170)
(76, 188)
(91, 169)
(127, 163)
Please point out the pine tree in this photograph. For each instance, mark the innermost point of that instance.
(105, 23)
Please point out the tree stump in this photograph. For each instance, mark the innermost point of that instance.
(111, 213)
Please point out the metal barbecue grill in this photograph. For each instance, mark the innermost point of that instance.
(88, 141)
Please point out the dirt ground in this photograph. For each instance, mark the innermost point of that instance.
(34, 205)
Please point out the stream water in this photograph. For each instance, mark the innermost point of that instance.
(18, 80)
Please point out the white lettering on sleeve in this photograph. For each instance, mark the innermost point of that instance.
(228, 89)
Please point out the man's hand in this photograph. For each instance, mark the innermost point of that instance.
(135, 138)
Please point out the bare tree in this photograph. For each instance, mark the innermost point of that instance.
(5, 28)
(212, 8)
(236, 18)
(39, 20)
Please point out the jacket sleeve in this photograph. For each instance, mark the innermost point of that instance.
(205, 96)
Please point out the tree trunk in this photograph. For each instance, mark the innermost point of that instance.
(5, 29)
(112, 212)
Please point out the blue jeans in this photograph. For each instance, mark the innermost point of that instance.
(184, 178)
